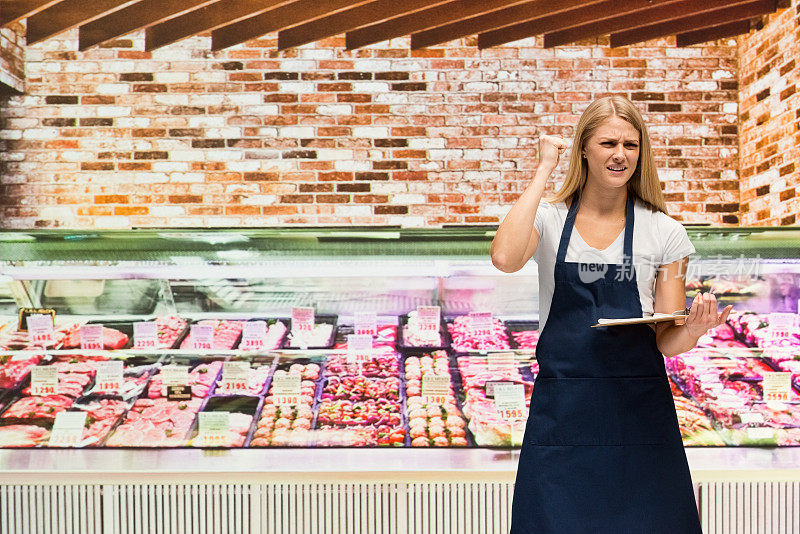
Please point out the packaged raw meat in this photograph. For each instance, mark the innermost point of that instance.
(414, 337)
(241, 411)
(13, 369)
(202, 377)
(226, 334)
(156, 423)
(465, 339)
(22, 435)
(112, 338)
(322, 337)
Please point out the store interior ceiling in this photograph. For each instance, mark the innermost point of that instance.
(365, 22)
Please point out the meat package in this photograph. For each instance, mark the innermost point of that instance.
(112, 339)
(321, 337)
(202, 377)
(432, 425)
(696, 427)
(289, 426)
(465, 339)
(156, 423)
(16, 367)
(241, 411)
(226, 334)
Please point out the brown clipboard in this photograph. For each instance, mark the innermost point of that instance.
(655, 318)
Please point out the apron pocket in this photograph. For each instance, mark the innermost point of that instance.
(602, 411)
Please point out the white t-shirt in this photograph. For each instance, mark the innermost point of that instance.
(658, 239)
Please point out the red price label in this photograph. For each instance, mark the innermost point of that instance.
(365, 332)
(234, 385)
(43, 390)
(202, 345)
(284, 400)
(145, 343)
(109, 385)
(41, 338)
(434, 399)
(482, 332)
(513, 414)
(429, 327)
(92, 345)
(252, 344)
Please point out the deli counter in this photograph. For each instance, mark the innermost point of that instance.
(369, 357)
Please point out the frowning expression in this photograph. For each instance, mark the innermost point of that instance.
(612, 152)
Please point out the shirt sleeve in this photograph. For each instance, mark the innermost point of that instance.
(540, 222)
(676, 241)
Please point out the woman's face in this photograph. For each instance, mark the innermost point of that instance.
(612, 152)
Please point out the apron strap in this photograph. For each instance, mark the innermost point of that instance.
(569, 223)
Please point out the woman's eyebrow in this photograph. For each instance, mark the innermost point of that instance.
(631, 140)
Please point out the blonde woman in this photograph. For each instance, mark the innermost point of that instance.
(602, 451)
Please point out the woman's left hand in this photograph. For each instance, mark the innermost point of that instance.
(703, 314)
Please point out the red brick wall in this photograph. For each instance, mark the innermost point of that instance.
(117, 137)
(769, 118)
(12, 59)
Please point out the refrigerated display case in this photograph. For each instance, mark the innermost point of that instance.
(360, 421)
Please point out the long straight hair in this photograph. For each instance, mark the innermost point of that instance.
(644, 182)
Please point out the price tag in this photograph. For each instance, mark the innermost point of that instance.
(365, 323)
(303, 320)
(40, 329)
(480, 323)
(213, 428)
(749, 418)
(429, 317)
(67, 429)
(783, 320)
(777, 386)
(760, 432)
(92, 337)
(435, 389)
(24, 313)
(509, 401)
(202, 336)
(501, 361)
(359, 348)
(234, 377)
(109, 376)
(286, 390)
(145, 335)
(44, 380)
(176, 379)
(254, 335)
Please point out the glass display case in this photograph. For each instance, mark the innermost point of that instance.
(224, 311)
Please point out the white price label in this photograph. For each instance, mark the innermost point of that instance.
(286, 390)
(109, 376)
(67, 429)
(435, 389)
(145, 335)
(749, 418)
(783, 320)
(92, 337)
(480, 323)
(777, 386)
(303, 320)
(44, 380)
(359, 348)
(365, 323)
(761, 432)
(235, 377)
(202, 336)
(509, 401)
(254, 335)
(429, 317)
(501, 361)
(213, 428)
(175, 375)
(40, 329)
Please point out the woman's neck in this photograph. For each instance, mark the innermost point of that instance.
(603, 202)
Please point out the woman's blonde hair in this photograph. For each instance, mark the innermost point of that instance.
(643, 183)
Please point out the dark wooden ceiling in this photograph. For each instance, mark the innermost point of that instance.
(364, 22)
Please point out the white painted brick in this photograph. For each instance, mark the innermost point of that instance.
(448, 153)
(268, 132)
(184, 155)
(260, 200)
(133, 122)
(326, 154)
(114, 66)
(172, 53)
(482, 176)
(201, 121)
(167, 211)
(297, 87)
(75, 155)
(702, 86)
(224, 155)
(171, 77)
(244, 166)
(477, 154)
(334, 109)
(263, 109)
(113, 88)
(419, 143)
(204, 100)
(172, 99)
(494, 210)
(431, 166)
(480, 87)
(150, 178)
(670, 174)
(400, 97)
(316, 53)
(170, 166)
(352, 165)
(386, 188)
(296, 132)
(113, 111)
(408, 222)
(11, 134)
(60, 213)
(722, 74)
(222, 133)
(298, 65)
(371, 131)
(370, 87)
(209, 76)
(371, 65)
(40, 133)
(223, 221)
(730, 107)
(81, 67)
(407, 198)
(245, 99)
(346, 210)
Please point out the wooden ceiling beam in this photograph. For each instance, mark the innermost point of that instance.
(142, 15)
(596, 13)
(434, 15)
(69, 14)
(374, 12)
(211, 17)
(713, 33)
(14, 10)
(694, 22)
(497, 19)
(658, 13)
(278, 19)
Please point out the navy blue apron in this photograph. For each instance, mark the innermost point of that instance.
(602, 451)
